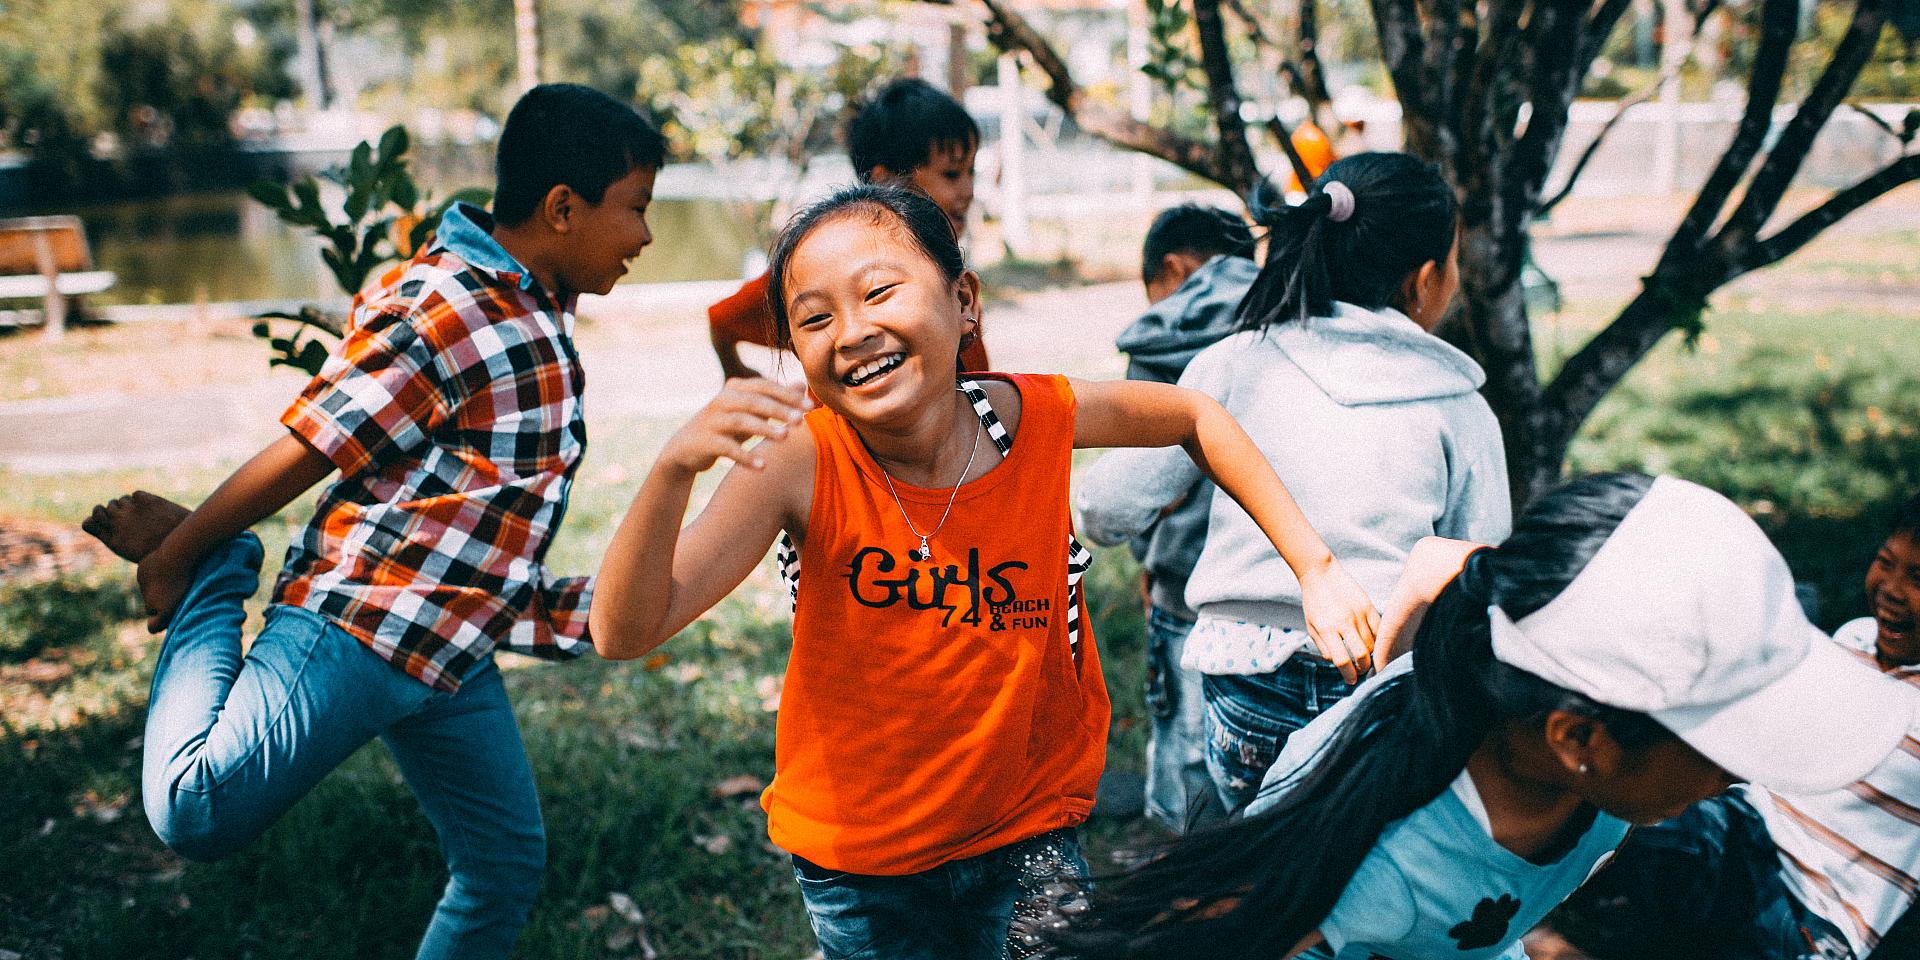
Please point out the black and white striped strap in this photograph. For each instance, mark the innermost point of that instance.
(988, 419)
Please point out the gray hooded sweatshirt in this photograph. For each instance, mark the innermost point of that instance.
(1159, 346)
(1375, 426)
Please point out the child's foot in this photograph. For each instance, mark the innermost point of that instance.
(133, 525)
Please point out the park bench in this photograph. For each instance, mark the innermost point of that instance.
(47, 259)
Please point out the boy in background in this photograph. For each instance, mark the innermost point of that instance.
(1196, 265)
(909, 134)
(451, 412)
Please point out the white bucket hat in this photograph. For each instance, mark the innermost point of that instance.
(1687, 613)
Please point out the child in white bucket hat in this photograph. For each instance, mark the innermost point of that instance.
(1632, 648)
(1761, 874)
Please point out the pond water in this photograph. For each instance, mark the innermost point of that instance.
(224, 246)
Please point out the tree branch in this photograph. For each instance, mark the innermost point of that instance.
(1284, 137)
(1795, 235)
(1309, 81)
(1556, 43)
(1403, 49)
(1646, 93)
(1236, 155)
(1012, 33)
(1779, 22)
(1796, 140)
(1607, 17)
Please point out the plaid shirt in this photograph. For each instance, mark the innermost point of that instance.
(452, 409)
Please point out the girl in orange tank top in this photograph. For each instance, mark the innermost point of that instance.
(943, 722)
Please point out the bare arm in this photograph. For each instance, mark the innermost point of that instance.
(1130, 413)
(727, 350)
(1431, 565)
(287, 468)
(656, 577)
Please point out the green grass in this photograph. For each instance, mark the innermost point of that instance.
(1809, 418)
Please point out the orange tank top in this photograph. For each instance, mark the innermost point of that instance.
(937, 710)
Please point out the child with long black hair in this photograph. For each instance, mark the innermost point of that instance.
(944, 720)
(1374, 423)
(1635, 646)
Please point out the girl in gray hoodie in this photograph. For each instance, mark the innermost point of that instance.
(1375, 424)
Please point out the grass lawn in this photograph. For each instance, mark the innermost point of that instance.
(1811, 417)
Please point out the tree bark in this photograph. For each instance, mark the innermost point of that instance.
(1236, 155)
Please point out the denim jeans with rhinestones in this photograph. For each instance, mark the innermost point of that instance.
(960, 910)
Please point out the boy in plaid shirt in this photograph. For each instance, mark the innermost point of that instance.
(451, 411)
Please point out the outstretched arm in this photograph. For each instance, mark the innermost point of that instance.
(287, 468)
(1431, 565)
(656, 577)
(1131, 413)
(727, 350)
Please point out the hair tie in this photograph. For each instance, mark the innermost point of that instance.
(1342, 201)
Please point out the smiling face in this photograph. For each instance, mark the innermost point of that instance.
(1893, 593)
(602, 237)
(874, 321)
(946, 178)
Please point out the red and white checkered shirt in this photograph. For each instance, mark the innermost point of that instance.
(452, 408)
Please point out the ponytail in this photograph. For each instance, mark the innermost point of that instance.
(1257, 886)
(1369, 222)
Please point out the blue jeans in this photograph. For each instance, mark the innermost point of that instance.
(1705, 885)
(232, 742)
(1250, 716)
(1179, 790)
(961, 910)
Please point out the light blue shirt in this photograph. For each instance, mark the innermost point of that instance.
(1436, 885)
(467, 231)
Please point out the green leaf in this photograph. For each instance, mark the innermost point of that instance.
(360, 165)
(356, 205)
(401, 187)
(307, 192)
(393, 144)
(261, 329)
(270, 194)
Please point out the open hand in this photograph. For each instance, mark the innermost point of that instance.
(743, 410)
(1341, 620)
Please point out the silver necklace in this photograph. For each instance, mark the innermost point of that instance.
(923, 553)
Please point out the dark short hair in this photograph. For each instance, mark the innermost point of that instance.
(1192, 228)
(924, 223)
(902, 123)
(564, 133)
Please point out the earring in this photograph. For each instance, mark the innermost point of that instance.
(1583, 769)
